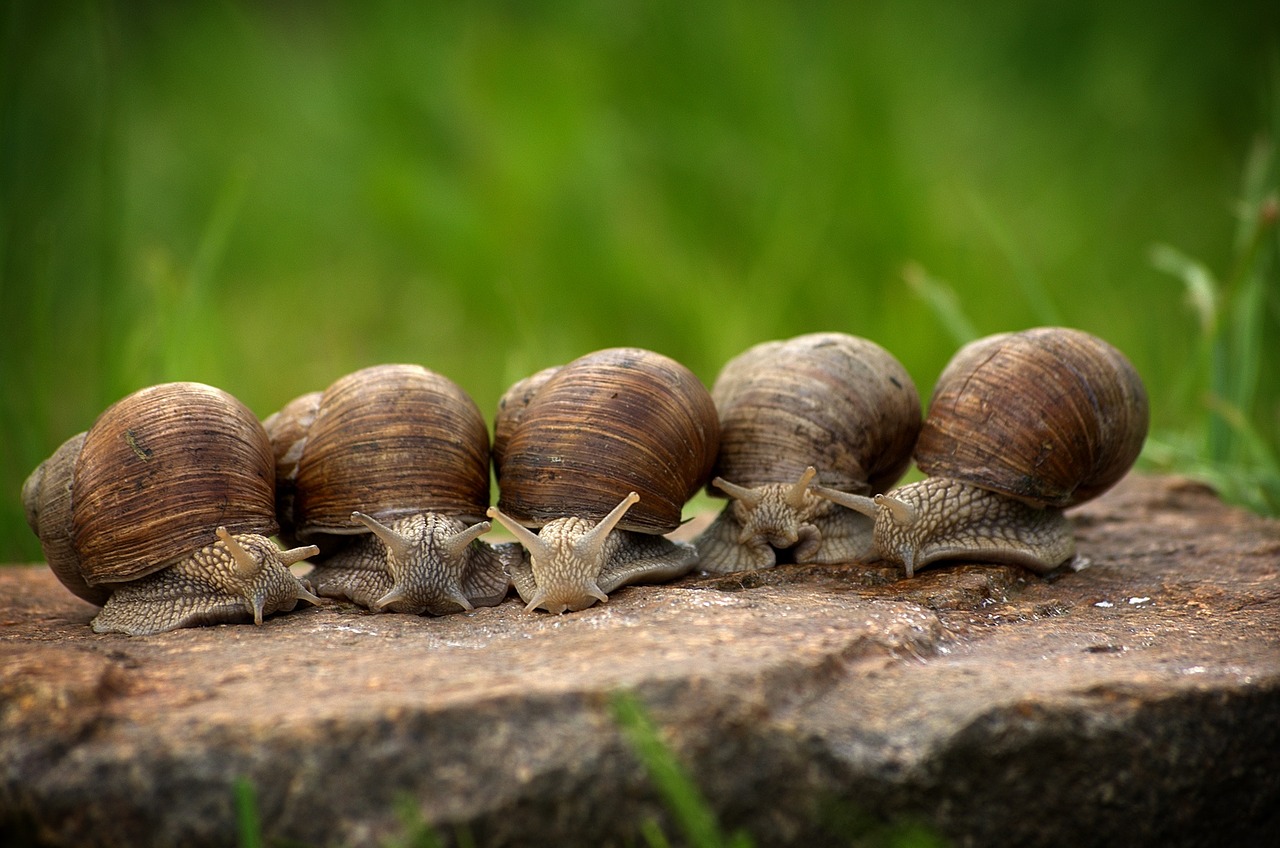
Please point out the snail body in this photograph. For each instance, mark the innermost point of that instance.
(160, 513)
(387, 471)
(1020, 427)
(828, 408)
(598, 457)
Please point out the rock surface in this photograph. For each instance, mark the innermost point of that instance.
(1131, 699)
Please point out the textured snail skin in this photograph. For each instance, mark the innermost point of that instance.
(944, 519)
(569, 565)
(571, 583)
(431, 564)
(751, 532)
(827, 406)
(601, 454)
(1020, 427)
(208, 587)
(136, 514)
(399, 444)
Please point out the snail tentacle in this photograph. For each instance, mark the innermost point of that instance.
(398, 546)
(750, 497)
(423, 563)
(388, 470)
(591, 545)
(799, 490)
(821, 407)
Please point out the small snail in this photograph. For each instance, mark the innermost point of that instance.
(1020, 427)
(601, 454)
(826, 405)
(387, 471)
(159, 514)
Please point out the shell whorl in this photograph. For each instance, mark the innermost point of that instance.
(389, 441)
(287, 430)
(46, 497)
(511, 408)
(1051, 416)
(840, 403)
(608, 423)
(148, 483)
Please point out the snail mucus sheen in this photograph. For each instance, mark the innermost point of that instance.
(595, 460)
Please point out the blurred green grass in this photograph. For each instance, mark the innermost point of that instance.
(266, 196)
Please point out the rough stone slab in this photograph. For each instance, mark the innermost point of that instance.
(1134, 699)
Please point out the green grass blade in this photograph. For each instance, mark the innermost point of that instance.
(1205, 296)
(417, 833)
(690, 810)
(1246, 287)
(190, 296)
(942, 299)
(1202, 288)
(217, 230)
(1256, 452)
(248, 821)
(1033, 288)
(653, 835)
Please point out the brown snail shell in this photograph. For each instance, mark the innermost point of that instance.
(1051, 416)
(287, 431)
(601, 454)
(827, 405)
(389, 440)
(46, 497)
(1020, 426)
(609, 423)
(511, 408)
(144, 489)
(144, 443)
(840, 403)
(379, 451)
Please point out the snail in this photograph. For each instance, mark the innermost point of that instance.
(826, 407)
(160, 513)
(387, 471)
(600, 456)
(1020, 427)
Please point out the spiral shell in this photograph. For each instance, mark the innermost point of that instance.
(46, 496)
(148, 483)
(1050, 416)
(840, 403)
(511, 408)
(612, 422)
(389, 441)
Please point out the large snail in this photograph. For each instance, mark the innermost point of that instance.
(160, 514)
(826, 407)
(601, 454)
(387, 471)
(1020, 427)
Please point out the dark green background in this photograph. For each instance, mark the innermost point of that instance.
(265, 196)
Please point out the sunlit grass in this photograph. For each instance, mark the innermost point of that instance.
(1229, 447)
(943, 301)
(1230, 450)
